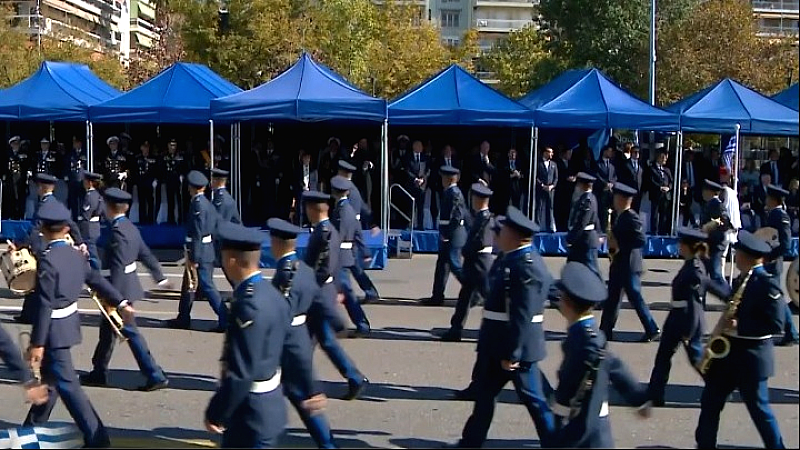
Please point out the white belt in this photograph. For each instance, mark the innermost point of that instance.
(346, 245)
(262, 387)
(750, 338)
(485, 250)
(94, 219)
(503, 317)
(603, 410)
(130, 268)
(205, 239)
(64, 312)
(298, 320)
(678, 304)
(358, 216)
(589, 227)
(566, 411)
(447, 222)
(329, 280)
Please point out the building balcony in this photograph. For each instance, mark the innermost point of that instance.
(501, 25)
(777, 31)
(507, 3)
(38, 25)
(776, 7)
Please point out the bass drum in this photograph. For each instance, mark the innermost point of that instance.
(19, 270)
(792, 281)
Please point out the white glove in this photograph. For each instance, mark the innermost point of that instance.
(122, 176)
(181, 178)
(155, 183)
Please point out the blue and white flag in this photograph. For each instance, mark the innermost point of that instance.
(58, 435)
(729, 152)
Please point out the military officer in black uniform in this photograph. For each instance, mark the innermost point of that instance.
(477, 254)
(248, 408)
(201, 224)
(322, 256)
(583, 223)
(297, 282)
(46, 160)
(452, 235)
(124, 248)
(511, 338)
(61, 274)
(626, 268)
(78, 162)
(580, 402)
(90, 215)
(173, 170)
(750, 362)
(115, 164)
(15, 181)
(344, 219)
(716, 222)
(145, 176)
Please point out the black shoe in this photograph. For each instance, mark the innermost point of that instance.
(467, 394)
(657, 402)
(93, 379)
(358, 333)
(23, 320)
(787, 341)
(356, 387)
(451, 335)
(151, 385)
(368, 300)
(177, 324)
(431, 302)
(651, 337)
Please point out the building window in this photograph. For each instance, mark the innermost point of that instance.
(451, 1)
(450, 18)
(452, 42)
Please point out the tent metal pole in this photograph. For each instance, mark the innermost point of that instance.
(238, 154)
(211, 150)
(676, 182)
(385, 181)
(88, 152)
(90, 146)
(532, 169)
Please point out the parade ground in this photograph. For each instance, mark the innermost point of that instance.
(409, 402)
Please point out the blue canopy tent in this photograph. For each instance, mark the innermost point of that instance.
(789, 97)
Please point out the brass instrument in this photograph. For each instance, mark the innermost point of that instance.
(36, 391)
(711, 225)
(612, 249)
(111, 315)
(718, 345)
(190, 280)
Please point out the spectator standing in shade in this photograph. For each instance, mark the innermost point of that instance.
(445, 159)
(328, 164)
(511, 182)
(660, 195)
(606, 177)
(483, 169)
(546, 180)
(773, 168)
(417, 172)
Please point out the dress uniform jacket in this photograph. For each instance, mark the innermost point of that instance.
(226, 206)
(344, 219)
(686, 305)
(453, 217)
(715, 211)
(35, 240)
(583, 224)
(126, 248)
(477, 251)
(629, 233)
(322, 254)
(779, 219)
(200, 225)
(92, 212)
(357, 202)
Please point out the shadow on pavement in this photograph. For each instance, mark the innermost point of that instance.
(490, 443)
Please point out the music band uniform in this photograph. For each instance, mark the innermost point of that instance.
(15, 175)
(452, 237)
(226, 210)
(583, 223)
(714, 211)
(92, 212)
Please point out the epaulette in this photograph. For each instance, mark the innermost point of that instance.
(528, 257)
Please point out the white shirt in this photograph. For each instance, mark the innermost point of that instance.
(306, 177)
(731, 205)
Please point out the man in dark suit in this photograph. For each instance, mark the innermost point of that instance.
(565, 189)
(546, 180)
(759, 200)
(446, 159)
(773, 168)
(482, 168)
(511, 182)
(692, 172)
(417, 171)
(606, 177)
(629, 171)
(660, 195)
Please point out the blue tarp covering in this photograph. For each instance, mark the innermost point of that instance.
(454, 97)
(58, 92)
(719, 107)
(585, 98)
(181, 93)
(789, 97)
(308, 92)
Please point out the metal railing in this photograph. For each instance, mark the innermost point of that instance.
(411, 220)
(767, 30)
(502, 24)
(789, 6)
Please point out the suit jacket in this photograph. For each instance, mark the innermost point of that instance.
(766, 169)
(481, 170)
(629, 233)
(414, 169)
(605, 174)
(565, 187)
(659, 178)
(297, 184)
(125, 248)
(628, 173)
(546, 177)
(439, 162)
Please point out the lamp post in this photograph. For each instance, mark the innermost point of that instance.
(652, 52)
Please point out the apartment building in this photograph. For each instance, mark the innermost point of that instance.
(777, 18)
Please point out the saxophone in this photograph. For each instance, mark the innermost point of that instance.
(612, 250)
(718, 345)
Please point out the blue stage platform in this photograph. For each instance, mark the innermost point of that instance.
(554, 244)
(172, 237)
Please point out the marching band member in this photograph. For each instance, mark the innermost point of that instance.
(582, 238)
(61, 274)
(225, 206)
(248, 407)
(716, 221)
(124, 248)
(91, 213)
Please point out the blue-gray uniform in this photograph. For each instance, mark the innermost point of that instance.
(626, 271)
(580, 402)
(226, 209)
(10, 355)
(713, 210)
(750, 362)
(344, 219)
(322, 256)
(477, 254)
(201, 224)
(583, 225)
(295, 280)
(779, 219)
(512, 330)
(124, 248)
(452, 237)
(61, 274)
(249, 401)
(89, 217)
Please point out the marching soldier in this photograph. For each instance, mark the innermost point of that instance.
(145, 180)
(364, 216)
(322, 256)
(452, 235)
(344, 219)
(750, 362)
(511, 339)
(90, 215)
(477, 254)
(15, 181)
(778, 219)
(115, 164)
(716, 222)
(173, 171)
(248, 408)
(78, 163)
(125, 248)
(225, 206)
(580, 402)
(297, 282)
(61, 274)
(583, 224)
(201, 224)
(626, 269)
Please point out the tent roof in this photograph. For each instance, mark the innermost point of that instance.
(719, 107)
(58, 91)
(182, 93)
(585, 98)
(789, 97)
(308, 92)
(454, 97)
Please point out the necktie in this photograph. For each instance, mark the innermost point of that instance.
(775, 173)
(511, 163)
(416, 155)
(447, 162)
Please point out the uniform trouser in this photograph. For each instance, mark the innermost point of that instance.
(11, 356)
(14, 198)
(27, 307)
(146, 202)
(323, 332)
(473, 291)
(258, 422)
(351, 304)
(59, 373)
(94, 257)
(722, 378)
(528, 384)
(173, 199)
(141, 353)
(789, 330)
(361, 276)
(632, 284)
(544, 210)
(448, 260)
(205, 280)
(74, 195)
(671, 338)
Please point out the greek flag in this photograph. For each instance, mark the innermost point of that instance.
(56, 435)
(727, 154)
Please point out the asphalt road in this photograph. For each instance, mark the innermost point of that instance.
(413, 375)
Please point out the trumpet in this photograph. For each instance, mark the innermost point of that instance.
(612, 249)
(190, 280)
(110, 314)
